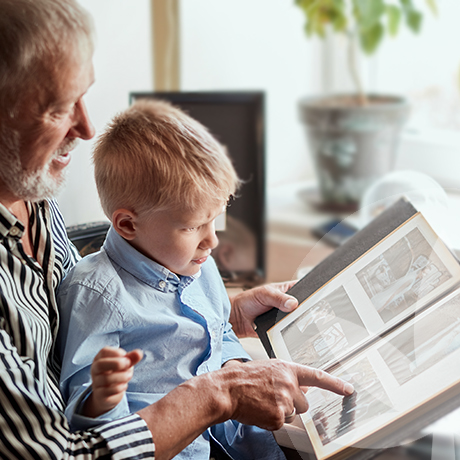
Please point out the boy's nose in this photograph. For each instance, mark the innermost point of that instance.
(211, 241)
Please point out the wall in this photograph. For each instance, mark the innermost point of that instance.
(122, 63)
(259, 45)
(241, 45)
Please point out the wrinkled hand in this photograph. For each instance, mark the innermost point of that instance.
(111, 370)
(248, 305)
(258, 393)
(263, 393)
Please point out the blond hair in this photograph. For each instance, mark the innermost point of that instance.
(154, 156)
(37, 37)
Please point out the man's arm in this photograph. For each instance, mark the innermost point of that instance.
(31, 428)
(248, 305)
(258, 393)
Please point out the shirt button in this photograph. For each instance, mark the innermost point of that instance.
(14, 231)
(162, 284)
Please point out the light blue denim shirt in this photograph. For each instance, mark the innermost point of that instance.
(118, 297)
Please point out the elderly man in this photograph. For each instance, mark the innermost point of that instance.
(45, 70)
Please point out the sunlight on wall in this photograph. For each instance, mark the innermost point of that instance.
(122, 63)
(255, 45)
(260, 45)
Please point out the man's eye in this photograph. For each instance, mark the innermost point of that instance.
(190, 229)
(64, 109)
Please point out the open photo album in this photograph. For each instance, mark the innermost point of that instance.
(383, 313)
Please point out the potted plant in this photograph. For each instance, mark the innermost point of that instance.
(353, 137)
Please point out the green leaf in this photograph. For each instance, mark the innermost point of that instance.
(340, 23)
(432, 6)
(368, 12)
(371, 38)
(407, 4)
(304, 4)
(394, 19)
(414, 20)
(321, 13)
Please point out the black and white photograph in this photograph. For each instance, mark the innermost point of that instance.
(403, 274)
(334, 416)
(325, 331)
(424, 343)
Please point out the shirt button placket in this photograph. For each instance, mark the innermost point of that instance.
(14, 231)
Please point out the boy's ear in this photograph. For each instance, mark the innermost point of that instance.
(124, 222)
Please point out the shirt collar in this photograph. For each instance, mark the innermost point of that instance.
(140, 266)
(10, 225)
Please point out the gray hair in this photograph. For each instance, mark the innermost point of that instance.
(36, 38)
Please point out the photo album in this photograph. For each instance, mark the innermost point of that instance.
(383, 313)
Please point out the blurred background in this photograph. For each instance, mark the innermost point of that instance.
(260, 45)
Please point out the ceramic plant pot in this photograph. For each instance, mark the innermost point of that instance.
(352, 145)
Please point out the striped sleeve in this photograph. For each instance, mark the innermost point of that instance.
(31, 429)
(32, 420)
(61, 240)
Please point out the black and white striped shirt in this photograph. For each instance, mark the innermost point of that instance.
(32, 423)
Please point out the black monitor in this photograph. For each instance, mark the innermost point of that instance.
(236, 119)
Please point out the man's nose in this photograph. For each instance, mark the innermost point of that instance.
(82, 128)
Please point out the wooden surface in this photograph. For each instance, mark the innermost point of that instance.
(284, 259)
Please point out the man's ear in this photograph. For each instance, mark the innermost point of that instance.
(124, 222)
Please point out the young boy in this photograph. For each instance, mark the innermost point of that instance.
(162, 180)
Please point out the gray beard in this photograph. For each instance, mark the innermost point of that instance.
(27, 185)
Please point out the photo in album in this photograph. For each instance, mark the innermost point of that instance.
(402, 275)
(324, 331)
(427, 342)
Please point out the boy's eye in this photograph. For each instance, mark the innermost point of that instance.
(190, 229)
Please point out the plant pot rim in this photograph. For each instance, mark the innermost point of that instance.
(342, 102)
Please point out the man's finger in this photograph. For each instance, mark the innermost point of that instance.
(300, 402)
(314, 377)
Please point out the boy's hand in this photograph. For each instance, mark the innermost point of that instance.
(111, 371)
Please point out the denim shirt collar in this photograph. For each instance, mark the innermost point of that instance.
(140, 266)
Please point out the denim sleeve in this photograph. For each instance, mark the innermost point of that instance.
(79, 422)
(88, 323)
(231, 346)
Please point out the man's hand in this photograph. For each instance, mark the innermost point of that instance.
(111, 371)
(261, 393)
(248, 305)
(264, 393)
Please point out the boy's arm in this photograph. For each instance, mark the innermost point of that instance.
(83, 333)
(232, 350)
(31, 429)
(111, 371)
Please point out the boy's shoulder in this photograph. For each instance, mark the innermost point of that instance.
(95, 271)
